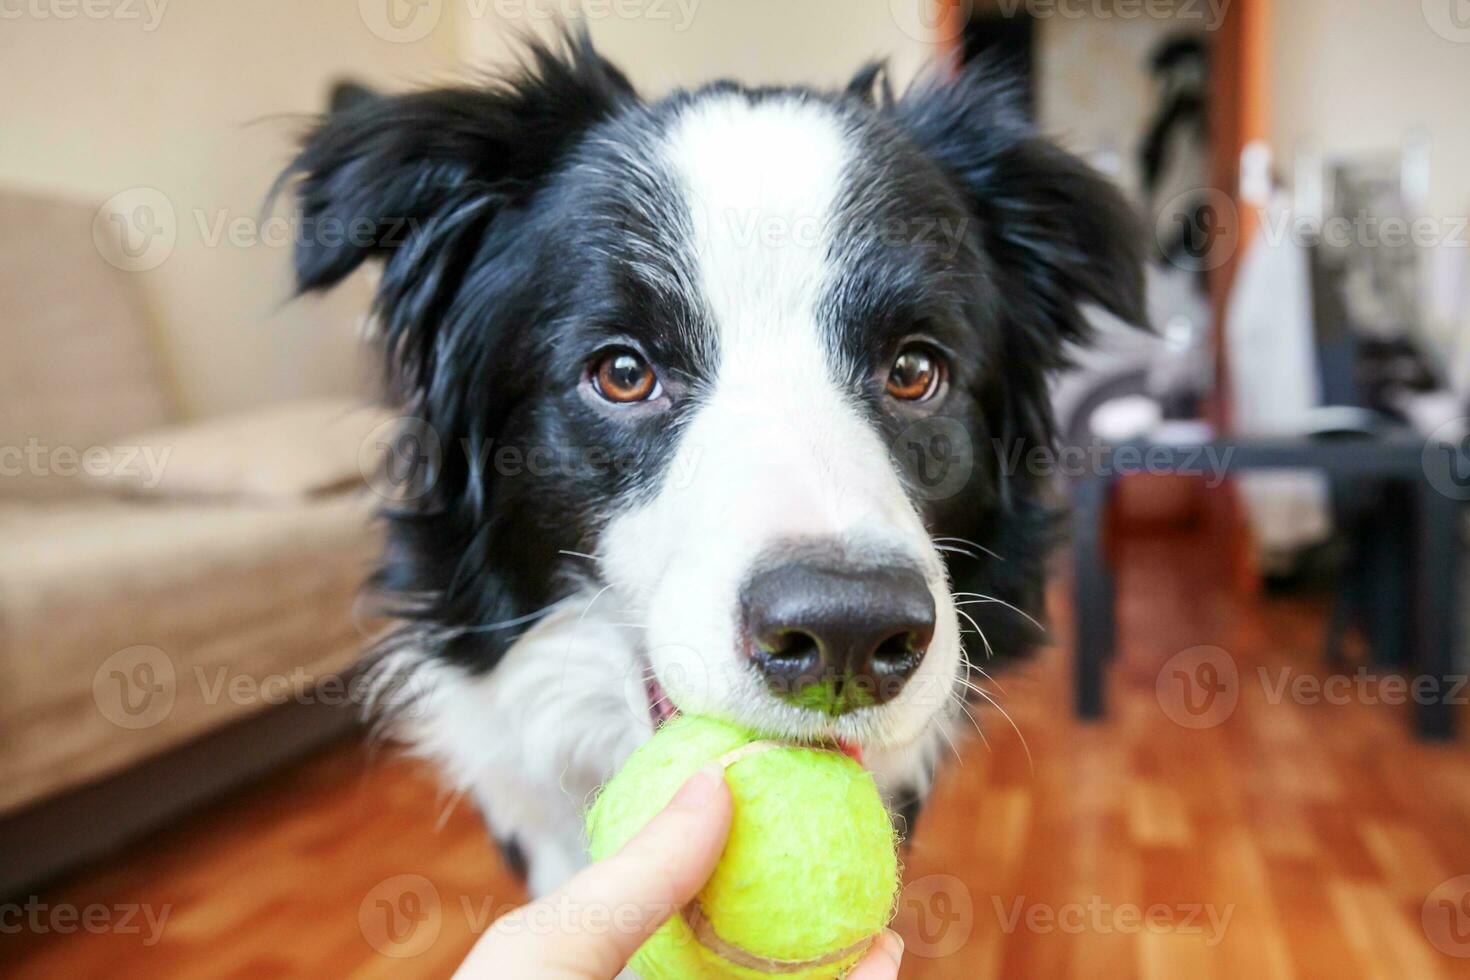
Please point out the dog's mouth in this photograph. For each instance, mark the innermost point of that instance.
(661, 708)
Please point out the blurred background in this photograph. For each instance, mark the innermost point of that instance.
(1241, 754)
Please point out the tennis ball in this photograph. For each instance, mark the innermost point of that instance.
(809, 873)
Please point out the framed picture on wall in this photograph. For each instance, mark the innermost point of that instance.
(1367, 263)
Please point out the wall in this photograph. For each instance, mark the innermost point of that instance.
(1360, 75)
(662, 44)
(199, 100)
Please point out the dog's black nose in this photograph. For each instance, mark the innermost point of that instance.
(834, 639)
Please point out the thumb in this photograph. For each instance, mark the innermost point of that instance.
(591, 926)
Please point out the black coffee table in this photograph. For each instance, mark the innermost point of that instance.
(1437, 479)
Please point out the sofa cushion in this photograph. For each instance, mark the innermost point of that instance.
(126, 629)
(280, 453)
(79, 367)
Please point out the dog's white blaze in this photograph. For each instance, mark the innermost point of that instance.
(760, 183)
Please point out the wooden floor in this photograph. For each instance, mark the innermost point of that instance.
(1288, 837)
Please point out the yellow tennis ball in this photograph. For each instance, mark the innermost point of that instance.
(809, 874)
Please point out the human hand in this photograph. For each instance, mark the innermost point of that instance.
(630, 895)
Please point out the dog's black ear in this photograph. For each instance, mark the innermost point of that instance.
(1061, 234)
(408, 178)
(347, 93)
(872, 85)
(1056, 234)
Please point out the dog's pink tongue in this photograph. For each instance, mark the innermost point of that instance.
(660, 707)
(851, 749)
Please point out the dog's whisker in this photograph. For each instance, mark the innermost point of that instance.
(944, 734)
(1014, 727)
(583, 618)
(448, 810)
(976, 688)
(980, 600)
(964, 681)
(971, 685)
(969, 544)
(598, 561)
(960, 703)
(982, 672)
(970, 665)
(505, 624)
(989, 653)
(965, 709)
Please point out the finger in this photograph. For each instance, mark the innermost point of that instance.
(882, 960)
(592, 925)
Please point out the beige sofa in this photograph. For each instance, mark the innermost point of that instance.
(159, 582)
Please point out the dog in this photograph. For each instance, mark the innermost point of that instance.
(727, 390)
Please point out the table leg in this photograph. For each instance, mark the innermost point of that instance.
(1438, 622)
(1093, 594)
(1387, 590)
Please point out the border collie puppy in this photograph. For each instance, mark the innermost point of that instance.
(728, 390)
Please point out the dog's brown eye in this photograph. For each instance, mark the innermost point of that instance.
(916, 374)
(623, 376)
